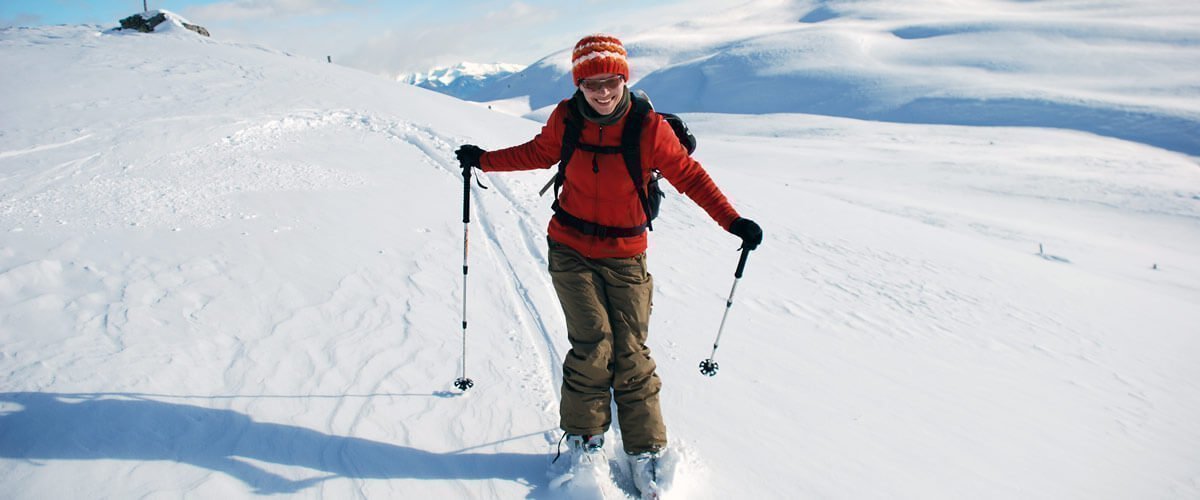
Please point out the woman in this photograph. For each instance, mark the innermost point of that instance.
(597, 241)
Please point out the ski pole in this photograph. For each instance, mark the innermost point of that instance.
(463, 383)
(709, 366)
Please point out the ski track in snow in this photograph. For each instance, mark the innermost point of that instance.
(537, 330)
(44, 147)
(520, 291)
(437, 151)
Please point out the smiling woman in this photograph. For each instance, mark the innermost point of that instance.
(597, 253)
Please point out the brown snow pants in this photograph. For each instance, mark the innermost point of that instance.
(607, 306)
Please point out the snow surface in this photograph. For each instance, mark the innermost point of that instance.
(229, 272)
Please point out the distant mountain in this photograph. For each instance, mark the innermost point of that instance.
(1046, 65)
(462, 80)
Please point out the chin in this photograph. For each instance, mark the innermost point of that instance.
(604, 110)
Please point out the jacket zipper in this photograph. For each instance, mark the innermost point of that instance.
(595, 164)
(596, 182)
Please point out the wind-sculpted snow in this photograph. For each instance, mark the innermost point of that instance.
(226, 272)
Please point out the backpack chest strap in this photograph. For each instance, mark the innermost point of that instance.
(604, 150)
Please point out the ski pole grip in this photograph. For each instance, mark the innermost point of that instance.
(466, 194)
(742, 263)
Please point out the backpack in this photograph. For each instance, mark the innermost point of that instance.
(630, 148)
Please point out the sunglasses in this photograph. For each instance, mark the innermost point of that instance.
(611, 83)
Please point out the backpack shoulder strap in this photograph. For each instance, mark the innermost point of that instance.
(631, 138)
(572, 131)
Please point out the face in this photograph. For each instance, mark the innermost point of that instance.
(603, 91)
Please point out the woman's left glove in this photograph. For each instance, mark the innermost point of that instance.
(468, 155)
(748, 231)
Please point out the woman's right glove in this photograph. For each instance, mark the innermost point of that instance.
(748, 231)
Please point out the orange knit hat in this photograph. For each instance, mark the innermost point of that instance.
(598, 54)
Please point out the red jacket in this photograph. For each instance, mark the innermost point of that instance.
(606, 195)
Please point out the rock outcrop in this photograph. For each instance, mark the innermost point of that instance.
(147, 22)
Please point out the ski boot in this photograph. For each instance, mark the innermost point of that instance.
(644, 468)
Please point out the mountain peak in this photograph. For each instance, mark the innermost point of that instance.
(462, 76)
(445, 76)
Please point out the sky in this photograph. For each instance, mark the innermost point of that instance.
(387, 37)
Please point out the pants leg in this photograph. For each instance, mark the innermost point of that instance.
(587, 375)
(607, 307)
(635, 385)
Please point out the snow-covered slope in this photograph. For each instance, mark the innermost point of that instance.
(1122, 69)
(462, 80)
(228, 272)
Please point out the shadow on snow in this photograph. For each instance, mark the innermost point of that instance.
(45, 426)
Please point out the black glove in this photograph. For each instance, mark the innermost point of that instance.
(748, 231)
(468, 156)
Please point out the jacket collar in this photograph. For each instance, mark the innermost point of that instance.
(589, 114)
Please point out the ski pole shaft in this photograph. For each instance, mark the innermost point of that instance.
(737, 276)
(466, 242)
(709, 366)
(464, 383)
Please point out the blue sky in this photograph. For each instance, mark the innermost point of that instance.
(387, 36)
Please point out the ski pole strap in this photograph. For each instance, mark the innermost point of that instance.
(742, 263)
(559, 454)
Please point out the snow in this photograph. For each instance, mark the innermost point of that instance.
(230, 272)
